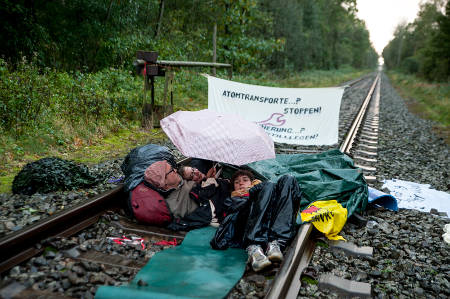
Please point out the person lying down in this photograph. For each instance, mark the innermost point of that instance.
(208, 190)
(260, 217)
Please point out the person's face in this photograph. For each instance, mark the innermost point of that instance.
(242, 182)
(172, 177)
(193, 174)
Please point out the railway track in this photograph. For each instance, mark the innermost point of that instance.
(288, 281)
(358, 132)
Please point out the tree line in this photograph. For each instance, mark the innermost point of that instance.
(422, 47)
(90, 35)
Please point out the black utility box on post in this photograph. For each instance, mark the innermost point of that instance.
(147, 66)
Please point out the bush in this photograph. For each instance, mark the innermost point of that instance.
(410, 65)
(32, 99)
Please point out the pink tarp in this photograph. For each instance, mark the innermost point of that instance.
(218, 137)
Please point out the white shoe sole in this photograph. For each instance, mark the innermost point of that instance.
(276, 258)
(261, 266)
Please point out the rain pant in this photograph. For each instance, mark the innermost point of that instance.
(137, 161)
(267, 214)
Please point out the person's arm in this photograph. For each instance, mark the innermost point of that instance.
(254, 191)
(215, 171)
(202, 194)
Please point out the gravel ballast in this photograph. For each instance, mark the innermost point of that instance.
(410, 258)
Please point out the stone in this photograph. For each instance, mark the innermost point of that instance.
(40, 261)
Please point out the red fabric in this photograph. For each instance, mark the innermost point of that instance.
(167, 243)
(149, 206)
(144, 71)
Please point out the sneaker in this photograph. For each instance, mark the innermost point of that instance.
(274, 252)
(257, 258)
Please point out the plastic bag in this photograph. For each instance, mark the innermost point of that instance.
(328, 216)
(53, 174)
(137, 161)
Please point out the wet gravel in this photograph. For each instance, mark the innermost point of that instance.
(408, 150)
(18, 211)
(410, 258)
(60, 270)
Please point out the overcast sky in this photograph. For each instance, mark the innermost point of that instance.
(382, 16)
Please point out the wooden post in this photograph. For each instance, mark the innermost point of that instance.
(171, 96)
(152, 80)
(168, 87)
(214, 48)
(147, 107)
(149, 72)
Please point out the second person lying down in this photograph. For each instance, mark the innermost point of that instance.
(260, 217)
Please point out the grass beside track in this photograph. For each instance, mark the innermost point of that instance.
(428, 100)
(107, 139)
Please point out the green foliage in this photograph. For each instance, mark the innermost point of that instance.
(430, 100)
(32, 99)
(88, 35)
(309, 280)
(321, 243)
(23, 96)
(320, 35)
(52, 174)
(423, 46)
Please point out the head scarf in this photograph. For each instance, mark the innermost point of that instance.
(155, 174)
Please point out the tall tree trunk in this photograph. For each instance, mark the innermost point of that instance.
(148, 12)
(226, 26)
(108, 13)
(161, 13)
(399, 53)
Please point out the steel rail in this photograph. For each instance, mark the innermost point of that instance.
(25, 243)
(348, 141)
(287, 282)
(283, 282)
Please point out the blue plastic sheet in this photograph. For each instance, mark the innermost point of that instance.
(380, 198)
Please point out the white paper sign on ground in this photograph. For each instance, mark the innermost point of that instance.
(303, 116)
(416, 196)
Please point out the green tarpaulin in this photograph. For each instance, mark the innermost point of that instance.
(324, 176)
(190, 270)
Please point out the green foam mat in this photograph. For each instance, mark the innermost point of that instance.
(190, 270)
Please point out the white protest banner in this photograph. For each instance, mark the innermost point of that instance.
(303, 116)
